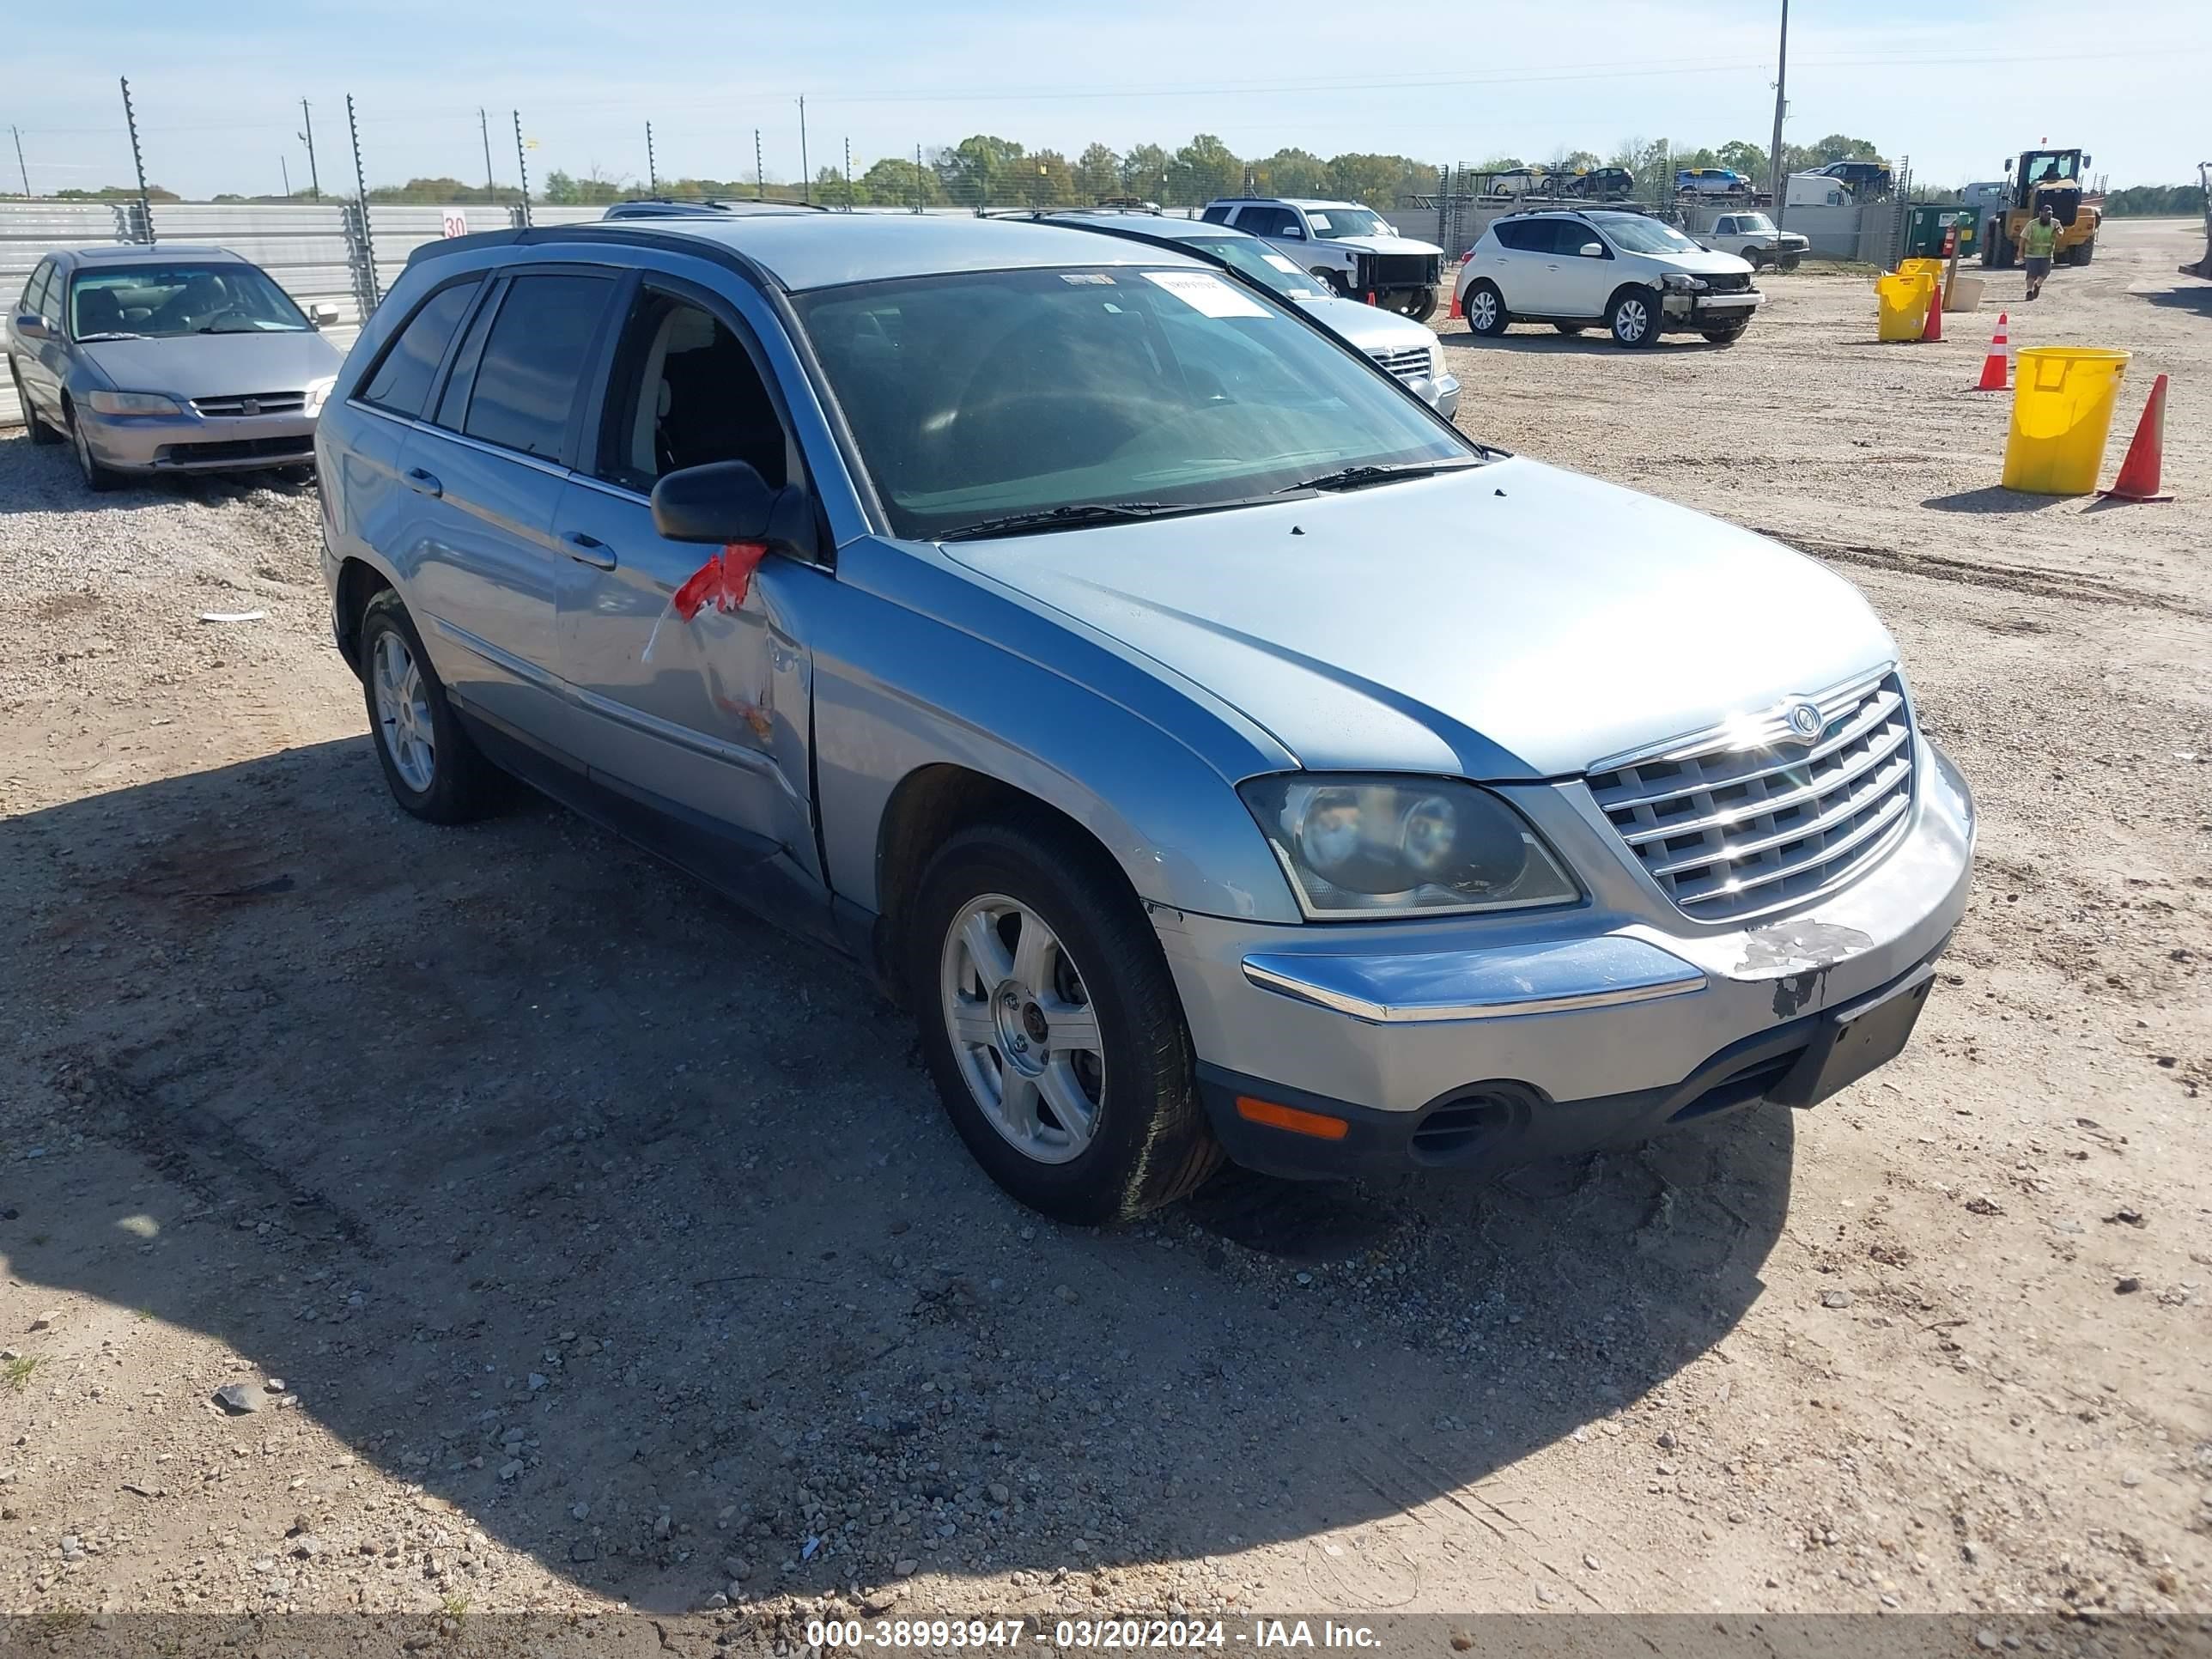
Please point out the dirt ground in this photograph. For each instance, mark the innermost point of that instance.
(583, 1245)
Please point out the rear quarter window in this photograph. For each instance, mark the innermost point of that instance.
(402, 377)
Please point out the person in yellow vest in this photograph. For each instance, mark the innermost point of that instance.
(2037, 243)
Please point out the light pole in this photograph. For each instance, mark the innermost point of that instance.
(1779, 185)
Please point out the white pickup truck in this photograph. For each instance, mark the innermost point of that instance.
(1753, 236)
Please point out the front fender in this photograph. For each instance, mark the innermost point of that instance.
(921, 666)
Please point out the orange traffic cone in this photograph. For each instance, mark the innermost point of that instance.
(1995, 365)
(2138, 479)
(1455, 314)
(1455, 310)
(1934, 328)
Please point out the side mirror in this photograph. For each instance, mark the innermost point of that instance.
(32, 326)
(1295, 232)
(726, 501)
(322, 316)
(1592, 250)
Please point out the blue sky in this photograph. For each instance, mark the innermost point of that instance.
(1955, 86)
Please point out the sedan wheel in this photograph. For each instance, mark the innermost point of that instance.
(1485, 310)
(97, 479)
(403, 715)
(1023, 1032)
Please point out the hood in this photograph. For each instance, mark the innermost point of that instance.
(215, 365)
(1511, 621)
(1370, 327)
(1703, 262)
(1385, 245)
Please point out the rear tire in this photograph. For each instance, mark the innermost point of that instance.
(1634, 319)
(1485, 311)
(1097, 1126)
(2082, 253)
(34, 427)
(433, 769)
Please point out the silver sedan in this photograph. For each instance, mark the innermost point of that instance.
(172, 359)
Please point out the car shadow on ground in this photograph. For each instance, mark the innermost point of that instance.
(44, 479)
(1995, 499)
(631, 1230)
(1596, 340)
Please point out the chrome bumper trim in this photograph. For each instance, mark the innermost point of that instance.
(1557, 977)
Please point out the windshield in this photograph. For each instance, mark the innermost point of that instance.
(2051, 168)
(980, 395)
(1752, 223)
(156, 302)
(1348, 221)
(1262, 263)
(1634, 235)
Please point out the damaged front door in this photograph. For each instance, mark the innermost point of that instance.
(694, 703)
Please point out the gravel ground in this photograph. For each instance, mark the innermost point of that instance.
(577, 1245)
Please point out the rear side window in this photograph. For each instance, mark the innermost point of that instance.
(1523, 235)
(534, 359)
(403, 380)
(1215, 216)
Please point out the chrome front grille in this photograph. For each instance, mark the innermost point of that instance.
(1407, 364)
(1752, 815)
(261, 402)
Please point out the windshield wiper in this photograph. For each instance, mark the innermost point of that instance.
(108, 334)
(1066, 518)
(246, 328)
(1356, 478)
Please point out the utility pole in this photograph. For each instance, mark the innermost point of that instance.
(1779, 185)
(308, 137)
(137, 160)
(806, 171)
(361, 199)
(918, 203)
(522, 167)
(652, 173)
(760, 178)
(285, 169)
(848, 175)
(20, 167)
(484, 132)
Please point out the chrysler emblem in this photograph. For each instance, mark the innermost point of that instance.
(249, 406)
(1805, 721)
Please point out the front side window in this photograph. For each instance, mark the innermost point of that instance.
(684, 392)
(156, 300)
(528, 380)
(1632, 234)
(1347, 222)
(1266, 221)
(990, 394)
(34, 302)
(402, 378)
(1753, 224)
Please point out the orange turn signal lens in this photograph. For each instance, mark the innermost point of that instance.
(1291, 1118)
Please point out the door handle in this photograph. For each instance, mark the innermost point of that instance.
(589, 549)
(424, 482)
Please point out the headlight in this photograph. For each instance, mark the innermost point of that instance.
(1437, 361)
(319, 390)
(131, 402)
(1683, 281)
(1355, 847)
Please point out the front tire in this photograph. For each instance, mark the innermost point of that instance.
(1333, 281)
(431, 767)
(2082, 253)
(1570, 328)
(1633, 321)
(1423, 305)
(1052, 1028)
(34, 425)
(1728, 336)
(1485, 311)
(97, 479)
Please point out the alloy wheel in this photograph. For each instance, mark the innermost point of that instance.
(403, 713)
(1630, 321)
(1025, 1036)
(1482, 310)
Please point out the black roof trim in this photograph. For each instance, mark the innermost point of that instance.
(625, 233)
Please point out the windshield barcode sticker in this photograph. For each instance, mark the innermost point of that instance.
(1204, 292)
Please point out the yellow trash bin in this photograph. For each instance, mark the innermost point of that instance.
(2062, 412)
(1921, 268)
(1904, 300)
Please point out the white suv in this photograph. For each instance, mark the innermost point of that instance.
(1354, 249)
(1636, 276)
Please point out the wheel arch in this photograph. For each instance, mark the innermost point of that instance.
(359, 582)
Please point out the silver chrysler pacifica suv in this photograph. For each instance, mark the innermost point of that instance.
(1216, 751)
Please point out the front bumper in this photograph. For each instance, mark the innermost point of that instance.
(1441, 394)
(198, 443)
(1695, 310)
(1604, 1022)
